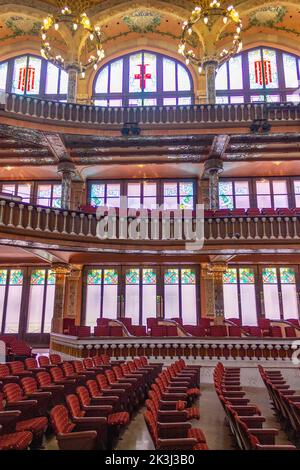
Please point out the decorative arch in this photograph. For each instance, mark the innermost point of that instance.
(259, 74)
(143, 78)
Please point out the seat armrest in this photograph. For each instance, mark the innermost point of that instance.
(49, 388)
(167, 405)
(248, 410)
(173, 430)
(172, 389)
(274, 447)
(174, 396)
(238, 401)
(255, 422)
(178, 444)
(8, 419)
(171, 416)
(107, 400)
(99, 410)
(265, 436)
(84, 440)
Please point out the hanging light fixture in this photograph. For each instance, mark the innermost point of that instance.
(74, 18)
(208, 13)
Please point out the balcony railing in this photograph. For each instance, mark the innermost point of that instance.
(192, 115)
(42, 224)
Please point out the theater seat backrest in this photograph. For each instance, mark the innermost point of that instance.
(102, 381)
(31, 363)
(4, 371)
(97, 361)
(151, 425)
(55, 359)
(74, 406)
(44, 379)
(29, 385)
(13, 392)
(290, 332)
(16, 367)
(110, 376)
(43, 361)
(172, 331)
(158, 331)
(116, 331)
(83, 395)
(78, 366)
(101, 330)
(56, 373)
(93, 388)
(218, 330)
(60, 420)
(88, 363)
(105, 359)
(68, 369)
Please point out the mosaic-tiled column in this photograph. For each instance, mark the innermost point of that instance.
(210, 68)
(73, 71)
(212, 168)
(67, 171)
(61, 270)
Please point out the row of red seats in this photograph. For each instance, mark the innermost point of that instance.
(168, 413)
(61, 386)
(15, 348)
(285, 402)
(244, 419)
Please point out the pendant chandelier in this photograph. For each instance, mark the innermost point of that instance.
(72, 15)
(214, 15)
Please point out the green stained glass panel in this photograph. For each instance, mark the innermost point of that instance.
(269, 276)
(3, 277)
(230, 276)
(225, 202)
(287, 276)
(16, 277)
(38, 277)
(94, 277)
(246, 276)
(149, 276)
(133, 276)
(186, 202)
(51, 278)
(188, 276)
(171, 276)
(225, 188)
(110, 277)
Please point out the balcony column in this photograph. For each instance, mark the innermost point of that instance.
(61, 270)
(73, 71)
(210, 68)
(73, 294)
(212, 168)
(67, 170)
(218, 270)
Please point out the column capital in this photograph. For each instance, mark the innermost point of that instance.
(213, 271)
(213, 165)
(63, 269)
(66, 168)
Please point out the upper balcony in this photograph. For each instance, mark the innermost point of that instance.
(226, 232)
(150, 117)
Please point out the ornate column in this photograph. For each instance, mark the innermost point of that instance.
(73, 294)
(67, 170)
(73, 71)
(212, 168)
(210, 68)
(61, 270)
(213, 275)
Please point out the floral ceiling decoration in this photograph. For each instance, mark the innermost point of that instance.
(267, 16)
(19, 26)
(142, 21)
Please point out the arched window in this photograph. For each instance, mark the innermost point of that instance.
(33, 76)
(261, 74)
(143, 79)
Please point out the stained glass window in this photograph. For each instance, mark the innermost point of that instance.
(94, 277)
(3, 76)
(171, 276)
(51, 278)
(230, 276)
(31, 75)
(269, 276)
(3, 277)
(246, 276)
(234, 194)
(49, 194)
(270, 72)
(132, 276)
(297, 192)
(188, 276)
(38, 277)
(110, 277)
(178, 195)
(287, 276)
(143, 79)
(149, 276)
(16, 277)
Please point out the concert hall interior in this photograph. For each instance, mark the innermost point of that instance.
(149, 225)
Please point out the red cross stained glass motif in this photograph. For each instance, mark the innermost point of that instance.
(30, 78)
(260, 67)
(143, 76)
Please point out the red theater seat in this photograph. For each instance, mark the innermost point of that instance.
(158, 331)
(234, 331)
(15, 440)
(71, 436)
(126, 322)
(290, 332)
(152, 321)
(116, 331)
(172, 331)
(6, 375)
(253, 212)
(18, 368)
(101, 331)
(102, 321)
(55, 359)
(138, 330)
(275, 332)
(218, 331)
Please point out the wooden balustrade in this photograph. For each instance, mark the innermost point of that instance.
(21, 220)
(225, 114)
